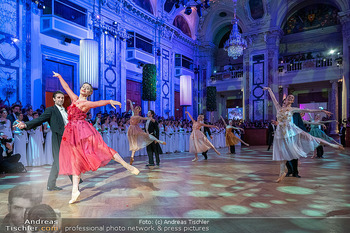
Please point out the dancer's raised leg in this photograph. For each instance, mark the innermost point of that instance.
(156, 140)
(130, 168)
(75, 188)
(243, 142)
(216, 150)
(335, 146)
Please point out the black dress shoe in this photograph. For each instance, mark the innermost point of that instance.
(54, 188)
(297, 176)
(288, 174)
(150, 165)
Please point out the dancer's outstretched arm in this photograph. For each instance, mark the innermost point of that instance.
(273, 98)
(190, 116)
(324, 122)
(65, 86)
(313, 123)
(311, 110)
(131, 106)
(237, 128)
(94, 104)
(223, 121)
(144, 118)
(209, 126)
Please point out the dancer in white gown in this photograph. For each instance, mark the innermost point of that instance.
(114, 133)
(20, 140)
(48, 155)
(35, 150)
(106, 132)
(291, 142)
(5, 124)
(199, 143)
(138, 139)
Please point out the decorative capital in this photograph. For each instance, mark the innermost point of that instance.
(344, 18)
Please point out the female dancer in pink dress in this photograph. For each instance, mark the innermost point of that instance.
(138, 139)
(199, 143)
(82, 147)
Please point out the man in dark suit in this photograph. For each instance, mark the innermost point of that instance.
(206, 132)
(57, 118)
(270, 133)
(14, 109)
(342, 133)
(292, 165)
(152, 128)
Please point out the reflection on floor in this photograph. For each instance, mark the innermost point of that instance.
(240, 185)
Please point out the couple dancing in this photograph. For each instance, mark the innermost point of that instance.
(80, 147)
(290, 142)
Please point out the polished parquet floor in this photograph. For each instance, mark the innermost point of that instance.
(226, 186)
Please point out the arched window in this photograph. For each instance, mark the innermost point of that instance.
(256, 9)
(145, 4)
(310, 18)
(181, 23)
(168, 5)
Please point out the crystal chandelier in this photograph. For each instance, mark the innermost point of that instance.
(235, 44)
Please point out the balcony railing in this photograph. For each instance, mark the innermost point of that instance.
(312, 64)
(227, 75)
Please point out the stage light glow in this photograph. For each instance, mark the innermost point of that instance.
(185, 90)
(199, 194)
(227, 194)
(278, 202)
(236, 209)
(219, 185)
(260, 205)
(296, 190)
(312, 213)
(195, 182)
(88, 67)
(202, 214)
(332, 51)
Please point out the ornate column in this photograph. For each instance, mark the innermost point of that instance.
(334, 106)
(122, 73)
(246, 87)
(272, 39)
(345, 22)
(260, 64)
(207, 50)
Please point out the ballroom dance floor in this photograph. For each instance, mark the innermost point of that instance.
(224, 187)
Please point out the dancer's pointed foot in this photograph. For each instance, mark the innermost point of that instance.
(217, 152)
(313, 156)
(131, 160)
(281, 177)
(195, 159)
(246, 144)
(340, 147)
(161, 142)
(75, 196)
(133, 170)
